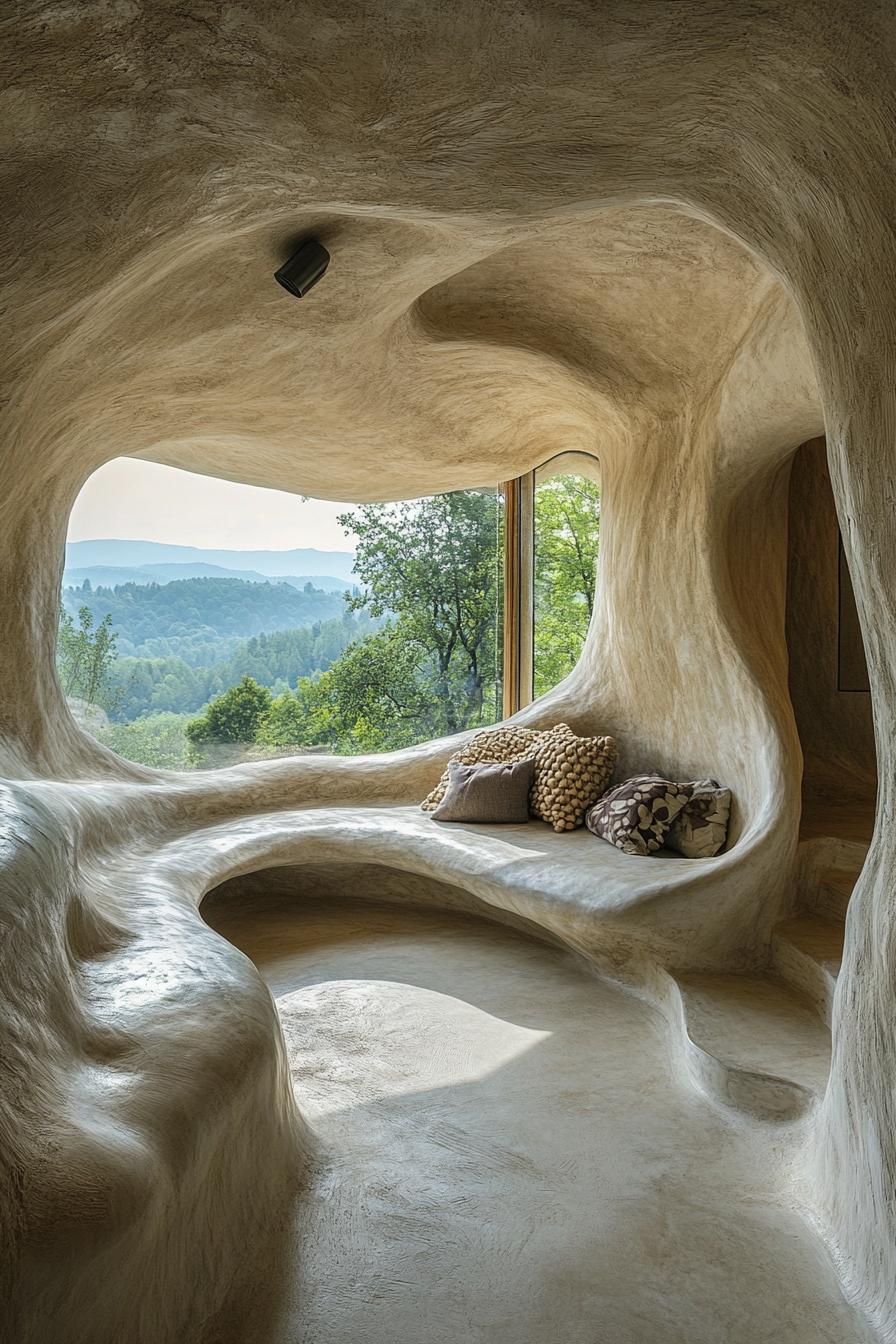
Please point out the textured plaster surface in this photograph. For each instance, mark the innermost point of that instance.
(659, 232)
(507, 1149)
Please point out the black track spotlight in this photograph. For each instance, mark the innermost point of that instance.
(304, 268)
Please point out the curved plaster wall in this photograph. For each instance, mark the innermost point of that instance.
(659, 233)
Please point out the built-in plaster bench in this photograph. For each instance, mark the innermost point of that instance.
(191, 1021)
(593, 897)
(637, 919)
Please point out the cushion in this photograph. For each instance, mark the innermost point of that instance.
(701, 827)
(494, 744)
(490, 791)
(570, 771)
(637, 815)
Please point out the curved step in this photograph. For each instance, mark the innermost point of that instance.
(807, 952)
(765, 1051)
(828, 870)
(833, 893)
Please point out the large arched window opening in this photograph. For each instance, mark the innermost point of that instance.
(448, 612)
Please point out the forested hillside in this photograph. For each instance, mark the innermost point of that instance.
(188, 617)
(112, 576)
(140, 686)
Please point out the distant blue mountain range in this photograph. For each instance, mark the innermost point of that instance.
(112, 576)
(110, 562)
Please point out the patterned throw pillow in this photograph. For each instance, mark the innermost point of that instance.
(636, 816)
(701, 828)
(570, 771)
(489, 792)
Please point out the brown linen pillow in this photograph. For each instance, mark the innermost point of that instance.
(570, 771)
(637, 815)
(493, 744)
(701, 828)
(491, 791)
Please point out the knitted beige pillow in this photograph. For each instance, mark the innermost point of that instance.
(570, 772)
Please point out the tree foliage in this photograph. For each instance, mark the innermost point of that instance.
(371, 699)
(276, 660)
(567, 538)
(235, 716)
(158, 740)
(433, 566)
(85, 654)
(430, 572)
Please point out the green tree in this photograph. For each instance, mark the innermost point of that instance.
(85, 656)
(380, 693)
(567, 539)
(234, 716)
(372, 699)
(432, 568)
(299, 718)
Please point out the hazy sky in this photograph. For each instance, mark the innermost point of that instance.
(147, 502)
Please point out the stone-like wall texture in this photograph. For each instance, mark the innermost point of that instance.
(661, 232)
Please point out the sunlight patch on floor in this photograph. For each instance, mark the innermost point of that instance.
(507, 1153)
(385, 1039)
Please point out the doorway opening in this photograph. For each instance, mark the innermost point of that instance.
(828, 675)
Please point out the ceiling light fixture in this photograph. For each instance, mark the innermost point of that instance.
(304, 268)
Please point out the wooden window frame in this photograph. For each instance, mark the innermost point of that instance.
(519, 581)
(519, 591)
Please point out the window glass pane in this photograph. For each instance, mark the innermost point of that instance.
(188, 656)
(566, 542)
(431, 572)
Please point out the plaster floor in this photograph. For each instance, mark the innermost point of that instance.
(505, 1153)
